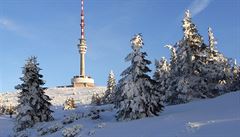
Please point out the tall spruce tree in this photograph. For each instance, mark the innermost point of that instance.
(34, 105)
(171, 80)
(186, 63)
(184, 73)
(109, 96)
(217, 70)
(136, 95)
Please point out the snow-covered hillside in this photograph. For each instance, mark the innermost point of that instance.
(219, 117)
(58, 95)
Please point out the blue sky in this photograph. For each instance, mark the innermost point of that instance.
(49, 29)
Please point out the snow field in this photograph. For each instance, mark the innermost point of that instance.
(218, 117)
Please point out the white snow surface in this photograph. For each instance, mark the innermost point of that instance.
(218, 117)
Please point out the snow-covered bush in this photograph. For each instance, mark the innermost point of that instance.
(69, 104)
(68, 120)
(92, 132)
(71, 118)
(6, 110)
(2, 109)
(49, 130)
(72, 131)
(34, 105)
(22, 133)
(101, 125)
(97, 99)
(94, 113)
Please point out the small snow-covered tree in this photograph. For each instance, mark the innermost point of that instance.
(235, 70)
(162, 69)
(161, 76)
(235, 77)
(173, 59)
(34, 105)
(110, 92)
(136, 95)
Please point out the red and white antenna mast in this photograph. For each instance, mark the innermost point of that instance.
(82, 20)
(82, 46)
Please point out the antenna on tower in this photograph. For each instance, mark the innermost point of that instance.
(82, 20)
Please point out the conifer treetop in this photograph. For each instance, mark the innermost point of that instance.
(235, 67)
(31, 61)
(163, 61)
(190, 31)
(187, 14)
(186, 23)
(173, 54)
(111, 80)
(111, 74)
(212, 40)
(137, 42)
(31, 64)
(160, 63)
(172, 49)
(235, 62)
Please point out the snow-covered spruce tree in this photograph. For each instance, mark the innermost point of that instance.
(185, 81)
(217, 70)
(161, 76)
(136, 95)
(110, 92)
(172, 68)
(34, 105)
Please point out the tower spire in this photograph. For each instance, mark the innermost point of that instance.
(82, 46)
(82, 20)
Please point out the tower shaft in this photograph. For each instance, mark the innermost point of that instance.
(82, 64)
